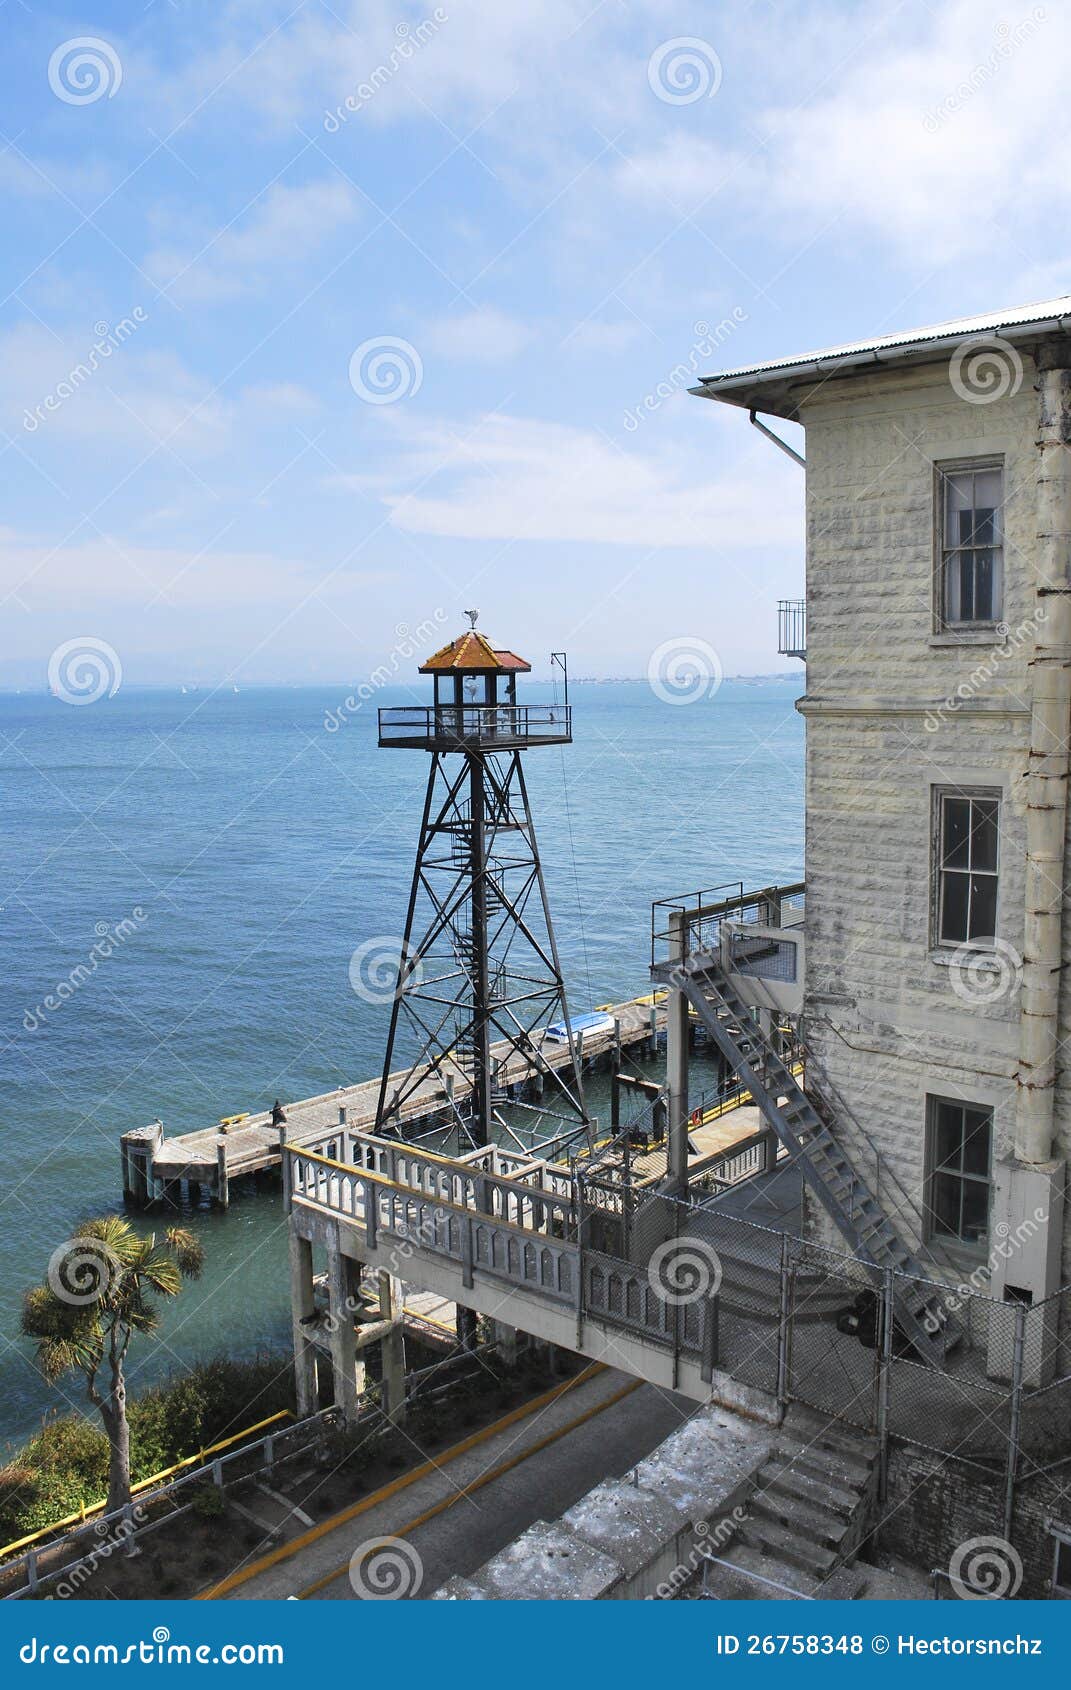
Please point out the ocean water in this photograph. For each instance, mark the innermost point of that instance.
(247, 851)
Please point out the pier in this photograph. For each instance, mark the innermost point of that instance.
(155, 1165)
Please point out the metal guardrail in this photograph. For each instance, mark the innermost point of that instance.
(792, 627)
(695, 919)
(467, 724)
(122, 1526)
(91, 1510)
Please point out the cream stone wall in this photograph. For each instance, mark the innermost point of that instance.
(893, 710)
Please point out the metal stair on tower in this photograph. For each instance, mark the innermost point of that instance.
(920, 1312)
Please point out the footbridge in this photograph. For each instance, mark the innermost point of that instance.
(525, 1243)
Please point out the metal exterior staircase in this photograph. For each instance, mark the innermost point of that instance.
(920, 1312)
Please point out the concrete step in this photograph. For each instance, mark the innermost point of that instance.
(793, 1480)
(776, 1581)
(786, 1544)
(815, 1525)
(845, 1584)
(840, 1466)
(826, 1433)
(845, 1471)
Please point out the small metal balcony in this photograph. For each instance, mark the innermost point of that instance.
(792, 628)
(475, 727)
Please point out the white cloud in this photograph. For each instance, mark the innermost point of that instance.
(112, 573)
(483, 336)
(680, 172)
(598, 337)
(515, 478)
(88, 386)
(933, 142)
(120, 397)
(282, 229)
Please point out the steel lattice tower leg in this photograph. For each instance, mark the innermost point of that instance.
(480, 976)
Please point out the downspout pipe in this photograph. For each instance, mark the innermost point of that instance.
(1049, 765)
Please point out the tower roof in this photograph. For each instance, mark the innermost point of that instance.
(471, 653)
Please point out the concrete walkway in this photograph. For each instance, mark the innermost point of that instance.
(467, 1533)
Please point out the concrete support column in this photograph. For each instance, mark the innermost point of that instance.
(303, 1307)
(466, 1327)
(392, 1347)
(677, 1022)
(343, 1283)
(506, 1342)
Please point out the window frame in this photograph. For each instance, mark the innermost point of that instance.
(968, 794)
(973, 1248)
(1061, 1539)
(942, 472)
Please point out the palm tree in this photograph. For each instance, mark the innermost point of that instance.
(101, 1288)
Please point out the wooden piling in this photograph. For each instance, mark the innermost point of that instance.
(223, 1184)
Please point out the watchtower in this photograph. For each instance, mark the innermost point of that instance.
(480, 981)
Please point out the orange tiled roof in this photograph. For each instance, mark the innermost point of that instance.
(472, 652)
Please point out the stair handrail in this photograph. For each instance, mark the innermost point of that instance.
(836, 1113)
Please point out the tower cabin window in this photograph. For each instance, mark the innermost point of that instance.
(972, 546)
(968, 862)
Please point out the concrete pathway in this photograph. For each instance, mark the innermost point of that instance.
(474, 1527)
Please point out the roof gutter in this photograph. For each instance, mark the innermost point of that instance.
(718, 387)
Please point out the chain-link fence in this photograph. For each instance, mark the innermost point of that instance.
(935, 1365)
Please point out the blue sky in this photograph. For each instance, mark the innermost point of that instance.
(502, 205)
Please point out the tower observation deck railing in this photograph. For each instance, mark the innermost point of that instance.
(446, 727)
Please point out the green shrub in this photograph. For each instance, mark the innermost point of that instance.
(64, 1466)
(208, 1502)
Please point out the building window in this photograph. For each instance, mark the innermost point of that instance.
(971, 588)
(1061, 1562)
(960, 1145)
(968, 858)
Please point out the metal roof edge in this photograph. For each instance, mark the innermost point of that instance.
(921, 348)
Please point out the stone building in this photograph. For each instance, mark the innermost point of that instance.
(937, 998)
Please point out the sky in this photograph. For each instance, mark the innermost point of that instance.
(325, 322)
